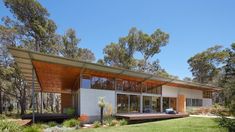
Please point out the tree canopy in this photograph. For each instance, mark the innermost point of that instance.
(122, 53)
(205, 65)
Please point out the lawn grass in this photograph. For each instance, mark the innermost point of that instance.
(189, 124)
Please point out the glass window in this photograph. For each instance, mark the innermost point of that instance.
(102, 83)
(131, 86)
(134, 103)
(122, 103)
(193, 102)
(119, 85)
(207, 94)
(188, 102)
(166, 103)
(152, 88)
(86, 82)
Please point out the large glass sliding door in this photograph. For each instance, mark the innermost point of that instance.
(134, 103)
(169, 103)
(151, 104)
(122, 103)
(128, 103)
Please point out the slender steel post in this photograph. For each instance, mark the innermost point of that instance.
(41, 102)
(33, 102)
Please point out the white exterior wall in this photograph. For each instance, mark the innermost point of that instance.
(89, 100)
(169, 91)
(207, 102)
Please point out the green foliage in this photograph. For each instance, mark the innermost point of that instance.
(70, 111)
(121, 54)
(6, 126)
(52, 124)
(108, 120)
(96, 124)
(33, 128)
(123, 122)
(2, 117)
(227, 123)
(205, 65)
(35, 22)
(114, 122)
(71, 123)
(70, 47)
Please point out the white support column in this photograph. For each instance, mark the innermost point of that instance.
(161, 103)
(115, 88)
(33, 96)
(141, 103)
(41, 95)
(141, 99)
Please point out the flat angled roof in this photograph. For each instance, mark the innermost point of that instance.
(60, 70)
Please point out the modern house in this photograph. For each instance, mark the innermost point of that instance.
(81, 83)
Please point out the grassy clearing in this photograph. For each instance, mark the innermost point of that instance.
(189, 124)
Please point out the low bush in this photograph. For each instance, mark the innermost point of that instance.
(114, 122)
(2, 117)
(123, 122)
(108, 120)
(6, 126)
(71, 123)
(33, 128)
(227, 123)
(52, 124)
(220, 110)
(70, 111)
(96, 124)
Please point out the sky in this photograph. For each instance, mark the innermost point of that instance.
(193, 25)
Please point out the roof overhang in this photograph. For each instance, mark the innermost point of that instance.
(53, 73)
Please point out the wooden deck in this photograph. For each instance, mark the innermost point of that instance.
(45, 117)
(149, 116)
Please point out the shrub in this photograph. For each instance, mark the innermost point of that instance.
(71, 123)
(52, 124)
(70, 111)
(108, 120)
(6, 126)
(220, 110)
(33, 128)
(114, 122)
(2, 117)
(123, 122)
(227, 123)
(84, 118)
(96, 124)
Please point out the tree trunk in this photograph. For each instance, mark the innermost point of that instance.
(0, 101)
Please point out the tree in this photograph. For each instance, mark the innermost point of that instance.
(228, 81)
(70, 42)
(71, 50)
(121, 54)
(115, 55)
(35, 19)
(149, 45)
(205, 65)
(187, 79)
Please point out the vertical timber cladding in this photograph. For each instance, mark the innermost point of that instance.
(181, 103)
(66, 101)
